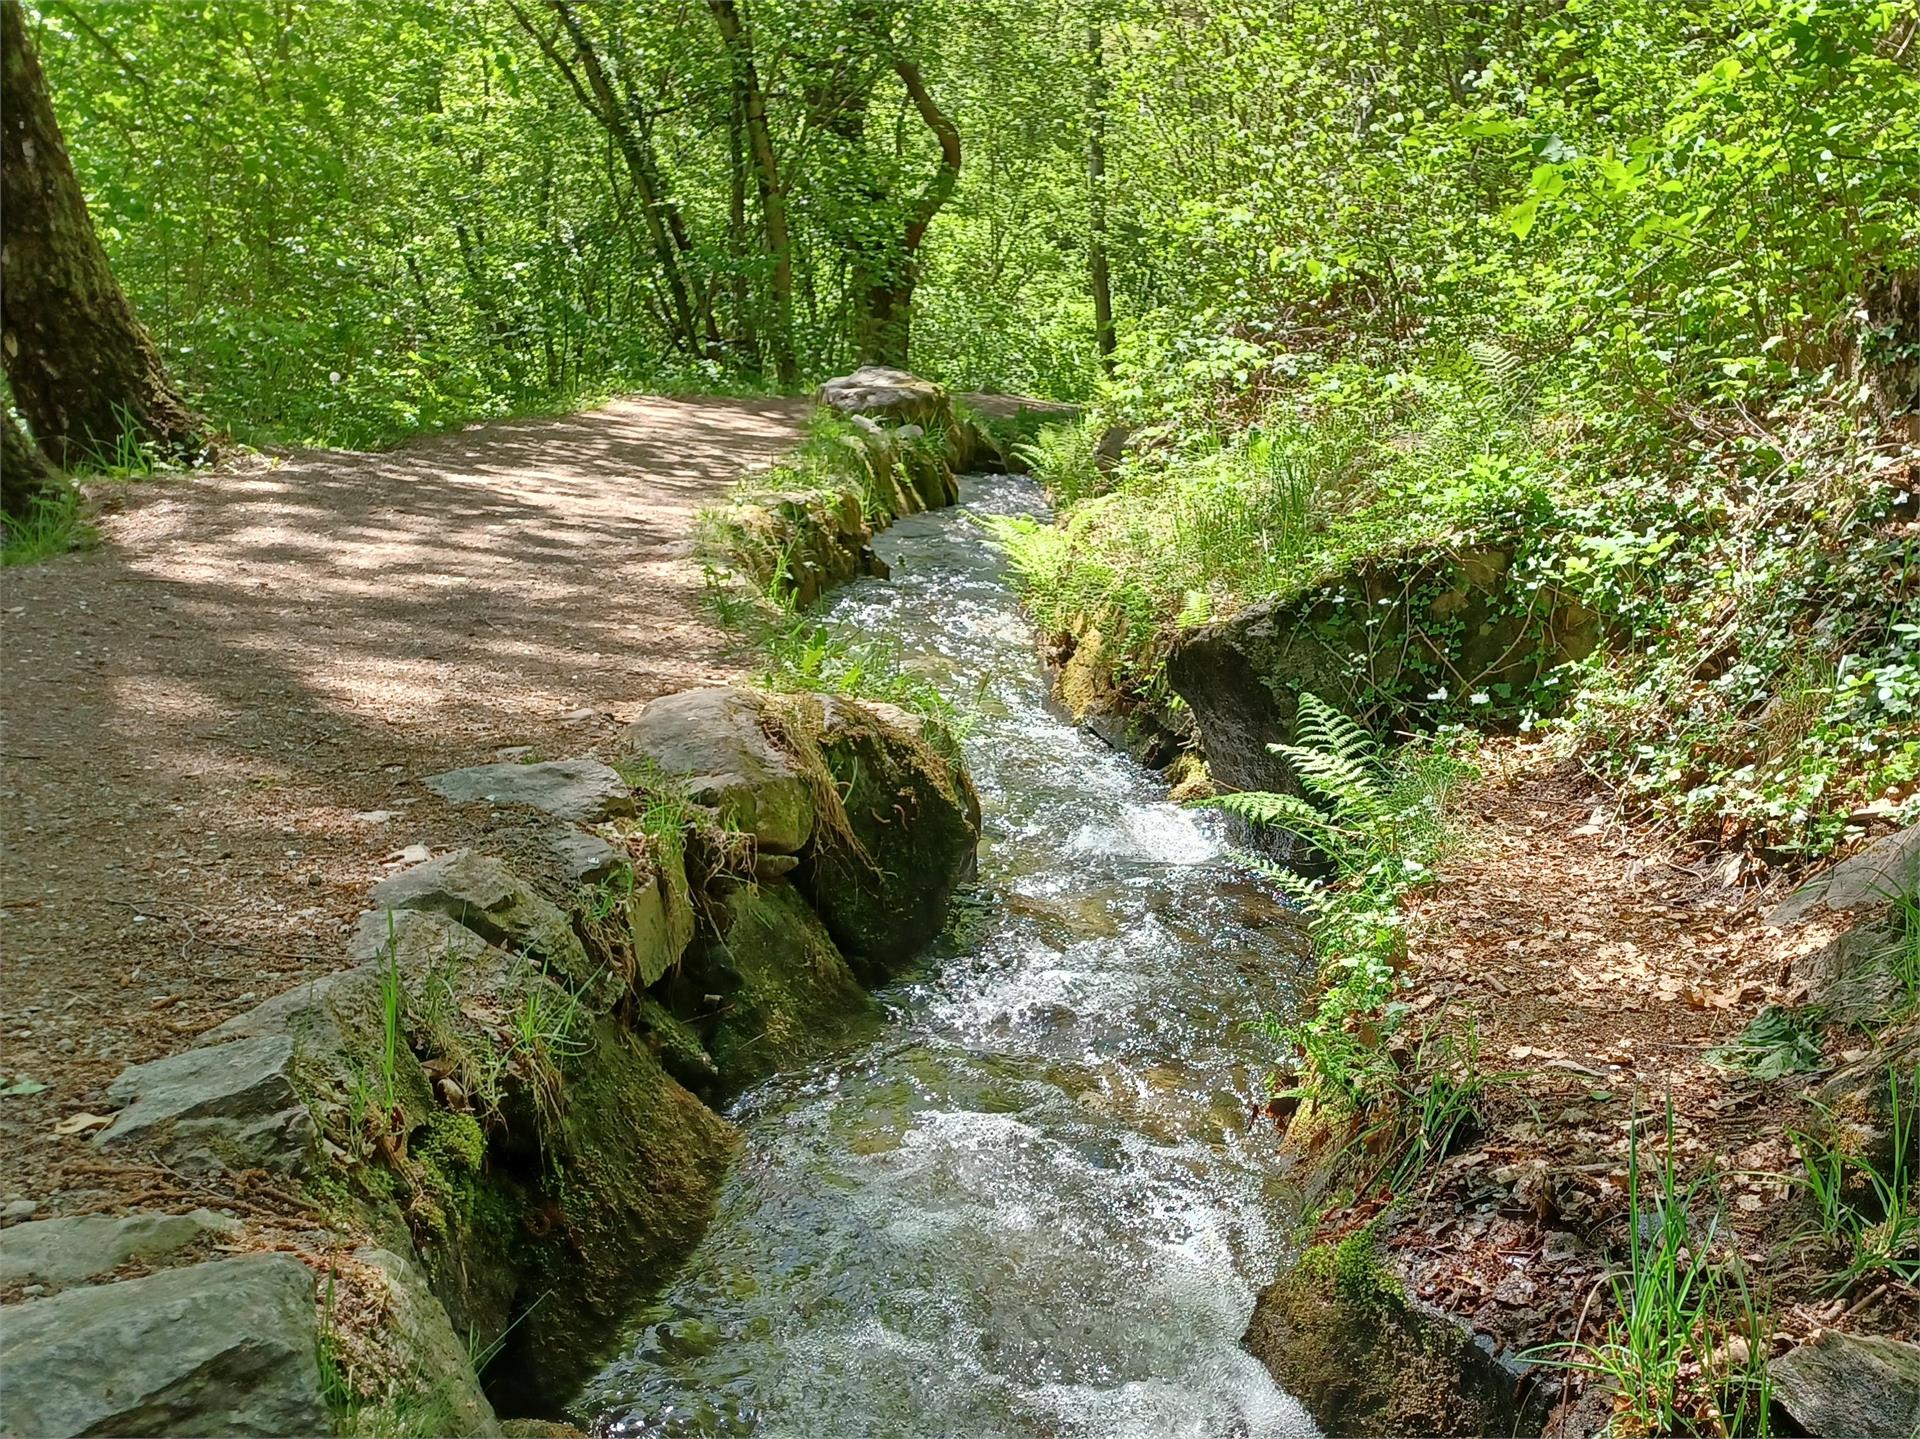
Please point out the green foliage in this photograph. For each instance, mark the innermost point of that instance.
(1378, 818)
(1776, 1042)
(1872, 1219)
(52, 526)
(1679, 1304)
(1062, 458)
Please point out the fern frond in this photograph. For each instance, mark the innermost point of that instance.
(1311, 895)
(1351, 788)
(1274, 810)
(1318, 725)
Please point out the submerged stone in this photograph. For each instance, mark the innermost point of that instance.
(228, 1347)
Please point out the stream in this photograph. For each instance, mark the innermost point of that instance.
(1032, 1205)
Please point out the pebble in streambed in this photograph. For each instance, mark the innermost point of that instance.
(1031, 1208)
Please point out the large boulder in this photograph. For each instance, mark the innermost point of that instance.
(1872, 879)
(881, 390)
(223, 1107)
(575, 789)
(1859, 1386)
(1384, 628)
(229, 1347)
(897, 833)
(787, 990)
(59, 1253)
(715, 743)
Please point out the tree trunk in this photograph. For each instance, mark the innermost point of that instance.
(884, 328)
(25, 476)
(773, 200)
(83, 371)
(598, 97)
(1097, 275)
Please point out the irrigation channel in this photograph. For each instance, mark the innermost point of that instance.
(1030, 1205)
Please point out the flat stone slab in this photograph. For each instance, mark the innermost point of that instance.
(575, 789)
(1860, 1386)
(227, 1106)
(1877, 875)
(60, 1253)
(228, 1347)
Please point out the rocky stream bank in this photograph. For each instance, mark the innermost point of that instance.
(501, 1120)
(1577, 974)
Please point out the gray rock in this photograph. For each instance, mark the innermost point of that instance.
(1855, 1103)
(418, 939)
(228, 1347)
(1857, 1386)
(584, 857)
(20, 1209)
(715, 741)
(880, 877)
(881, 390)
(1851, 977)
(576, 789)
(491, 900)
(1878, 874)
(64, 1252)
(228, 1106)
(445, 1395)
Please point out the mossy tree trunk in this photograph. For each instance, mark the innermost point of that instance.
(24, 475)
(84, 373)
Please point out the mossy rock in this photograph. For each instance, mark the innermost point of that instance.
(881, 869)
(1412, 634)
(1336, 1333)
(788, 992)
(623, 1189)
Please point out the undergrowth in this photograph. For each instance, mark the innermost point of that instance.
(52, 525)
(1685, 1350)
(1374, 819)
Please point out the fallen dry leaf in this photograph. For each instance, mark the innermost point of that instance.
(81, 1122)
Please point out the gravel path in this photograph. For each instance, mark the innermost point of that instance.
(215, 724)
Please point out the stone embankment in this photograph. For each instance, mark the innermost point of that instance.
(506, 1109)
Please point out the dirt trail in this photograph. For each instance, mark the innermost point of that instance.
(204, 718)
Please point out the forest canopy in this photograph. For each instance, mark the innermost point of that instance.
(345, 222)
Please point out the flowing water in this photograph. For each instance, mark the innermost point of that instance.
(1032, 1206)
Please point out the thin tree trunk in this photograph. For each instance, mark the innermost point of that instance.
(746, 331)
(773, 200)
(1097, 276)
(25, 475)
(598, 98)
(885, 326)
(84, 373)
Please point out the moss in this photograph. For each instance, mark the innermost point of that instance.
(1353, 1269)
(1337, 1332)
(791, 992)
